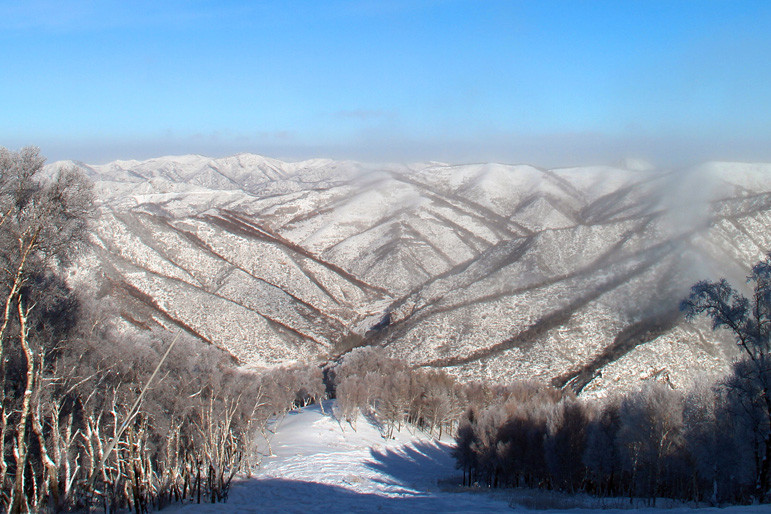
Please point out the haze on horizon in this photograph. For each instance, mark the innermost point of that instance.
(548, 83)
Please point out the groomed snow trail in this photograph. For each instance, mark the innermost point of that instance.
(320, 465)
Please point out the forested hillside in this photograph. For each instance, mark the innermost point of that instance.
(570, 276)
(161, 316)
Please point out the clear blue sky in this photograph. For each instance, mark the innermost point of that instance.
(544, 82)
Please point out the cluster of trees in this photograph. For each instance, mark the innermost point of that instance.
(88, 416)
(748, 388)
(712, 443)
(367, 381)
(657, 442)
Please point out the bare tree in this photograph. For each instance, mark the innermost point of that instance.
(600, 456)
(43, 225)
(565, 443)
(651, 431)
(749, 319)
(86, 418)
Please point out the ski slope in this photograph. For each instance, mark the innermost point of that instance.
(320, 465)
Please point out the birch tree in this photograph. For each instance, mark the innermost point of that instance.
(43, 226)
(749, 320)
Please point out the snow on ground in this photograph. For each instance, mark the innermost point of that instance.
(320, 465)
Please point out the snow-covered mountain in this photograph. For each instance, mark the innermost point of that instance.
(488, 270)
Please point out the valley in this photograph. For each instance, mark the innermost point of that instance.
(570, 276)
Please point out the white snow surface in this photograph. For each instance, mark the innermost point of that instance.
(321, 465)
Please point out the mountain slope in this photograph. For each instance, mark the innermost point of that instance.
(489, 270)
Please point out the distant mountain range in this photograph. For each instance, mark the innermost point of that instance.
(487, 270)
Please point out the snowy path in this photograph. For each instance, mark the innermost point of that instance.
(320, 466)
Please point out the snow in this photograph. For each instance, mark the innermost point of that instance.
(752, 177)
(293, 256)
(596, 181)
(321, 465)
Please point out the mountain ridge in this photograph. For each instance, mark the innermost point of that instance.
(299, 259)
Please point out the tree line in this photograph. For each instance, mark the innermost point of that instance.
(367, 381)
(712, 443)
(74, 434)
(655, 443)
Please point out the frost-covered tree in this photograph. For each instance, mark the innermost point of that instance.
(367, 379)
(565, 443)
(749, 319)
(43, 225)
(650, 435)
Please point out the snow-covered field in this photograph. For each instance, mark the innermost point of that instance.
(320, 465)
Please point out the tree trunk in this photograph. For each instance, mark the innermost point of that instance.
(20, 451)
(3, 428)
(50, 479)
(761, 486)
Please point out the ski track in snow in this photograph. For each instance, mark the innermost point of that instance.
(320, 465)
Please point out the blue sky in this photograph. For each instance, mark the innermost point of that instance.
(545, 82)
